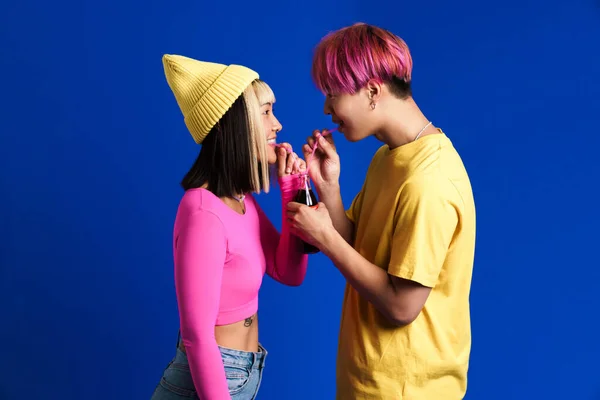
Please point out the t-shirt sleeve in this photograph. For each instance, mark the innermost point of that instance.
(200, 252)
(426, 219)
(353, 212)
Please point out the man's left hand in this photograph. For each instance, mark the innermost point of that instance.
(312, 225)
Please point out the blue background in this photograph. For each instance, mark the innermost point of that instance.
(92, 147)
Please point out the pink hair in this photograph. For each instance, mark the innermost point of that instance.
(346, 59)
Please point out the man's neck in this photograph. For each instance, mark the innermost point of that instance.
(403, 122)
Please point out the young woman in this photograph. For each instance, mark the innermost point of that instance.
(223, 243)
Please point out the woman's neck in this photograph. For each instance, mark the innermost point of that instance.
(235, 202)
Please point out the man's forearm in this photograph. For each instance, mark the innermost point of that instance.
(332, 198)
(370, 281)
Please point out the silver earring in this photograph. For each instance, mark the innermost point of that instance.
(373, 104)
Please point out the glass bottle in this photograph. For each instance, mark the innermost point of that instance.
(306, 196)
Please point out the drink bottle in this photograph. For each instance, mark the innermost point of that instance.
(306, 196)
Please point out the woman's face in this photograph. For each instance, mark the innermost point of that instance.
(271, 127)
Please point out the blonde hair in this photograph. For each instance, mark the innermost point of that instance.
(259, 171)
(263, 91)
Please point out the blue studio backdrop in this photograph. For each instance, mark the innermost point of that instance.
(93, 146)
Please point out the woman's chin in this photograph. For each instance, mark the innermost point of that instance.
(271, 155)
(270, 161)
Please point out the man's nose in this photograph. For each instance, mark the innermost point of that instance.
(327, 107)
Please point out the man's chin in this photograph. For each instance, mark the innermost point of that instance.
(353, 138)
(357, 137)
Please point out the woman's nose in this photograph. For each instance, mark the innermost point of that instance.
(277, 125)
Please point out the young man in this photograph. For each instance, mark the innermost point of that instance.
(406, 245)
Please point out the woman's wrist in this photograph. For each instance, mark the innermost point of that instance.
(288, 185)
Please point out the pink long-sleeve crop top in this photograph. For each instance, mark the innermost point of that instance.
(220, 259)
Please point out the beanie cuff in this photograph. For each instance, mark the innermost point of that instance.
(218, 99)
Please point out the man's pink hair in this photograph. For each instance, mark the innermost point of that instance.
(346, 59)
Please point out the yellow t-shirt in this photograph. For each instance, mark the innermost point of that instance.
(415, 218)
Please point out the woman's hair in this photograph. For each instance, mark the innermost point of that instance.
(345, 60)
(228, 160)
(263, 92)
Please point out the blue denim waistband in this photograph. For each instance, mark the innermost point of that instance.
(245, 359)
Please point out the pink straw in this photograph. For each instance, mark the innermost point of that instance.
(325, 133)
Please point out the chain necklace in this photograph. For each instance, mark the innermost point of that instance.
(422, 130)
(240, 199)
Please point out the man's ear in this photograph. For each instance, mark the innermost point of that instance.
(374, 90)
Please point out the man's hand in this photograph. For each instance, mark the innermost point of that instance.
(325, 173)
(313, 225)
(324, 166)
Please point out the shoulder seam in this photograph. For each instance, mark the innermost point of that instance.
(202, 210)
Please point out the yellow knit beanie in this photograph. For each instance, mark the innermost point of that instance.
(205, 91)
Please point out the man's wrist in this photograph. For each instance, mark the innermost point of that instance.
(330, 242)
(328, 191)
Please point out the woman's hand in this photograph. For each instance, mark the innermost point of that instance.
(288, 162)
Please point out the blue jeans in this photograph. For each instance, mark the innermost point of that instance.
(243, 371)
